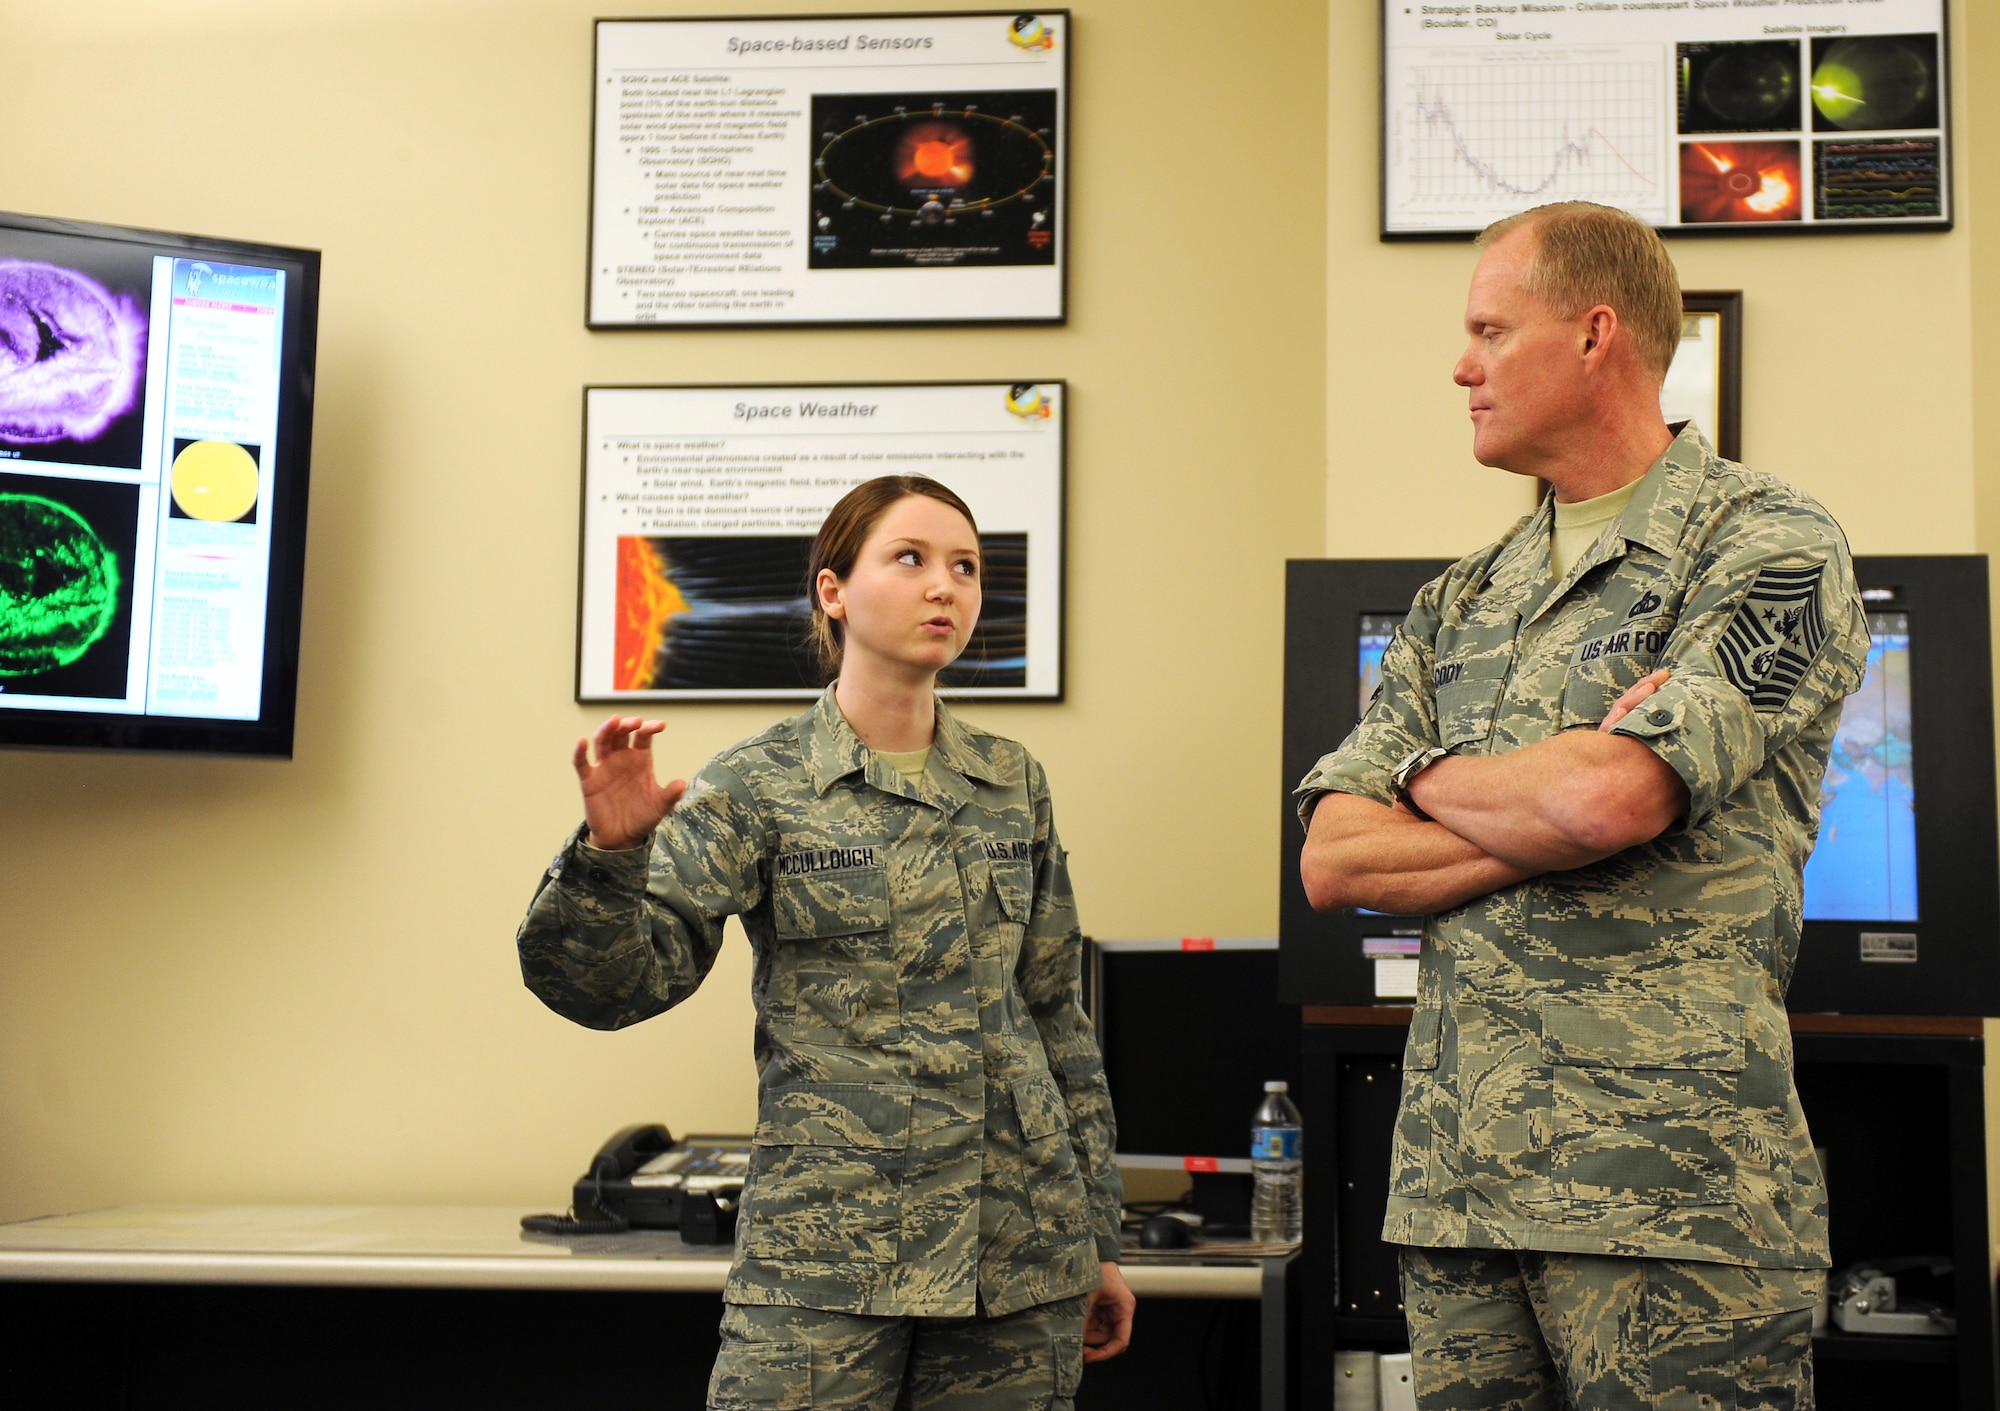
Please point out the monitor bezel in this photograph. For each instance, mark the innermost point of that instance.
(271, 734)
(1191, 1162)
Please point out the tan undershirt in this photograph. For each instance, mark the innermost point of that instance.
(1580, 522)
(909, 763)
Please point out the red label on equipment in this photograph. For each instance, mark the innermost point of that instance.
(1209, 1164)
(1197, 943)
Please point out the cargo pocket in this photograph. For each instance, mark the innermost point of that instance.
(1645, 1098)
(762, 1376)
(1055, 1188)
(1410, 1147)
(847, 1002)
(1068, 1357)
(826, 1174)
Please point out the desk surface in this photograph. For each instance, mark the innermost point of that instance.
(434, 1246)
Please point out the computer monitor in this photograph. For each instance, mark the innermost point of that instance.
(1191, 1030)
(1901, 903)
(155, 432)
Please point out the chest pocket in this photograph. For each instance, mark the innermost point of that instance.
(1466, 707)
(1603, 668)
(821, 893)
(846, 994)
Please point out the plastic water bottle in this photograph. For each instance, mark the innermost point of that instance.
(1277, 1205)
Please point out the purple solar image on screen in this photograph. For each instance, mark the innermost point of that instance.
(71, 354)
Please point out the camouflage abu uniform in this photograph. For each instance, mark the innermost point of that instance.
(934, 1132)
(1599, 1061)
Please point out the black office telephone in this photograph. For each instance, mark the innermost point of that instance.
(643, 1179)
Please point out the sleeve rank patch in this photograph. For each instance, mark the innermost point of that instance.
(1775, 635)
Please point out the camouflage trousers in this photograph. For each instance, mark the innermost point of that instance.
(803, 1359)
(1499, 1330)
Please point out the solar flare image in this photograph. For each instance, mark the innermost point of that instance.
(934, 155)
(1731, 182)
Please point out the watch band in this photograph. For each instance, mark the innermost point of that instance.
(1414, 763)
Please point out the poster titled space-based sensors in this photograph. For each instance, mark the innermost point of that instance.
(1717, 114)
(138, 395)
(880, 169)
(700, 505)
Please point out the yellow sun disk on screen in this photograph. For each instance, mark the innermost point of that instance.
(215, 480)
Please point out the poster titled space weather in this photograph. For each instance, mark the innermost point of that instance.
(699, 510)
(1745, 115)
(859, 169)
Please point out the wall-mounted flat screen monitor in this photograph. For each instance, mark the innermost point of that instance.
(155, 435)
(1191, 1031)
(1902, 892)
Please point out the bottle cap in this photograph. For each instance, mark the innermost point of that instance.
(1277, 1085)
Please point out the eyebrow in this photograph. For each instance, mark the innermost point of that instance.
(905, 539)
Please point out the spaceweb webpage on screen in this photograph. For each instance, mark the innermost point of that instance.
(138, 418)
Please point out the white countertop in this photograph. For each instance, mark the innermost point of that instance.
(424, 1246)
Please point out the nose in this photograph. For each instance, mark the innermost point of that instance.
(1466, 373)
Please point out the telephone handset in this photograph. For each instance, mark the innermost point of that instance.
(641, 1178)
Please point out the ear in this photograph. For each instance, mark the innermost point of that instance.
(1600, 333)
(827, 588)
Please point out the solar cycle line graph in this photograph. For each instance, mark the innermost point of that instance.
(1486, 139)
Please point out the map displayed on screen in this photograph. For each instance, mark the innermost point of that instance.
(1864, 867)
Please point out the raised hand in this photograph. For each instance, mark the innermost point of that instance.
(622, 800)
(1632, 699)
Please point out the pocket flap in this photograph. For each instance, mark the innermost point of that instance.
(1422, 1050)
(1039, 1103)
(1014, 884)
(1626, 1031)
(1465, 709)
(835, 1114)
(762, 1376)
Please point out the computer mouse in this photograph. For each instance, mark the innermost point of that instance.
(1164, 1232)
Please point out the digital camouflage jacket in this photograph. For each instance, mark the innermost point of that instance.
(934, 1133)
(1599, 1060)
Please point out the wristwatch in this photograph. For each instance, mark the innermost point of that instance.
(1414, 763)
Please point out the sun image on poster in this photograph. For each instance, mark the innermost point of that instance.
(931, 180)
(1864, 866)
(1750, 86)
(1875, 83)
(67, 558)
(700, 506)
(702, 614)
(73, 330)
(1723, 183)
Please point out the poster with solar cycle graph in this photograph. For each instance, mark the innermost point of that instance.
(1759, 115)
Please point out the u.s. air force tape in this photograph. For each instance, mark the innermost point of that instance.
(1775, 634)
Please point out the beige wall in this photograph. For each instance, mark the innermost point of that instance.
(228, 980)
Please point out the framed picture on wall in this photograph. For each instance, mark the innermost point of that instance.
(700, 504)
(1705, 382)
(845, 169)
(1717, 117)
